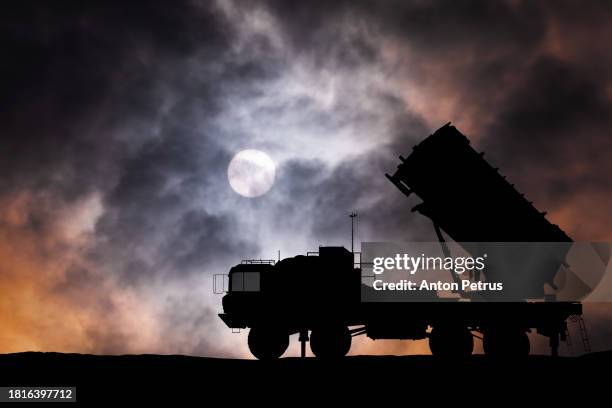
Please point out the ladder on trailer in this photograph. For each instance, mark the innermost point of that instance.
(568, 342)
(586, 343)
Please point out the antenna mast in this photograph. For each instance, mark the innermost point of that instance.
(353, 215)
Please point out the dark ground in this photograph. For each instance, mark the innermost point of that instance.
(384, 380)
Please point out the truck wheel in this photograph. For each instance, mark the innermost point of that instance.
(506, 343)
(268, 343)
(330, 342)
(451, 342)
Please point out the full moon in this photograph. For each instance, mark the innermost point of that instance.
(251, 173)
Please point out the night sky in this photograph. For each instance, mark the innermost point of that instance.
(118, 122)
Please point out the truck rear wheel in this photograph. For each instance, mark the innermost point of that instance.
(451, 342)
(330, 342)
(506, 343)
(268, 343)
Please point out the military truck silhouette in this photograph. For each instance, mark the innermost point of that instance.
(277, 299)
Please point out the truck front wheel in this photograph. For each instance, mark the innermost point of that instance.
(268, 343)
(330, 342)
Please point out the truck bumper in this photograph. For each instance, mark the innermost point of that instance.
(233, 321)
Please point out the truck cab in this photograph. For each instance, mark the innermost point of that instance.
(306, 292)
(244, 295)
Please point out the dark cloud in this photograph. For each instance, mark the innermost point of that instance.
(359, 185)
(551, 136)
(83, 113)
(70, 67)
(536, 112)
(129, 103)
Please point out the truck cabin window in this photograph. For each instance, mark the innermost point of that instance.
(245, 282)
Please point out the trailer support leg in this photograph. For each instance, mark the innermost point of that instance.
(303, 339)
(554, 344)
